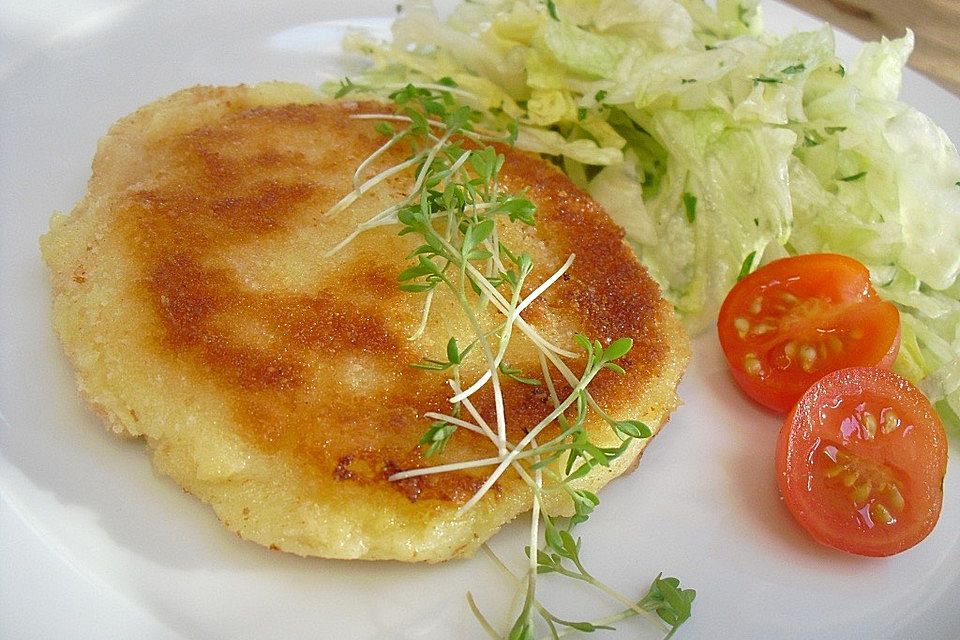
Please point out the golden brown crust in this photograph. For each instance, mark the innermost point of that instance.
(203, 235)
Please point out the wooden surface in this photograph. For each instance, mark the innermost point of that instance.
(935, 23)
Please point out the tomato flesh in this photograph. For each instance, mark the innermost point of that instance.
(796, 319)
(861, 460)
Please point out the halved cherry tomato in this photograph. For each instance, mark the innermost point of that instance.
(796, 319)
(860, 462)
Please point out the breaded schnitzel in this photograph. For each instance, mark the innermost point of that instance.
(192, 295)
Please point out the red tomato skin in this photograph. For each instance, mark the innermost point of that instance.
(843, 280)
(920, 453)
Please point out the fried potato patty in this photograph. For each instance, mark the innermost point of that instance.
(192, 295)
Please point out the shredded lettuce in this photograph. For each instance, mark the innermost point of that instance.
(716, 145)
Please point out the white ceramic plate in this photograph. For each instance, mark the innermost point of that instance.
(93, 544)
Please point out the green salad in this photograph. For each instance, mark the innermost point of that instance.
(716, 145)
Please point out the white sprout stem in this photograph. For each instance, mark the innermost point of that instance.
(433, 415)
(444, 468)
(501, 303)
(383, 175)
(542, 342)
(388, 215)
(507, 331)
(572, 379)
(498, 404)
(434, 150)
(534, 531)
(493, 243)
(480, 423)
(485, 346)
(502, 306)
(424, 316)
(561, 367)
(546, 284)
(354, 195)
(510, 457)
(393, 118)
(536, 484)
(383, 218)
(537, 487)
(494, 265)
(494, 237)
(495, 379)
(459, 163)
(487, 354)
(504, 569)
(428, 302)
(451, 219)
(373, 156)
(484, 623)
(547, 378)
(467, 464)
(484, 296)
(512, 318)
(472, 410)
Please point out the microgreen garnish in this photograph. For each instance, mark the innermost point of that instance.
(454, 356)
(600, 95)
(517, 375)
(437, 436)
(793, 69)
(455, 209)
(346, 86)
(687, 80)
(767, 80)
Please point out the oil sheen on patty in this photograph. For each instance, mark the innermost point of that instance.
(193, 298)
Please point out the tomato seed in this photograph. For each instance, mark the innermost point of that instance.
(880, 514)
(751, 364)
(790, 349)
(860, 493)
(762, 328)
(850, 478)
(890, 421)
(742, 325)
